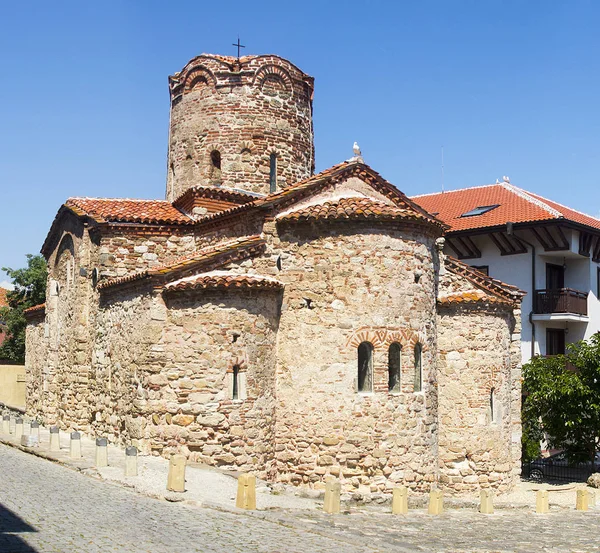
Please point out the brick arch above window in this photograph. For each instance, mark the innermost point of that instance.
(385, 336)
(273, 76)
(199, 77)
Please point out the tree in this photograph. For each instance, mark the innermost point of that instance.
(30, 290)
(563, 400)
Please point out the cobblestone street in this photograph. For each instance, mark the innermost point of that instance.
(47, 508)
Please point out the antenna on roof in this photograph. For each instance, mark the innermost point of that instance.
(442, 169)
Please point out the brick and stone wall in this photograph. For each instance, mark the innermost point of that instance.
(246, 112)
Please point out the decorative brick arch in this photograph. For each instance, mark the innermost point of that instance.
(273, 73)
(384, 337)
(241, 361)
(197, 77)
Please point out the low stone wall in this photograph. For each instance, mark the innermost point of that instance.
(12, 385)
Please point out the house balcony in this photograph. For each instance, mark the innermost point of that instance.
(562, 304)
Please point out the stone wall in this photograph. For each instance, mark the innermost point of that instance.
(36, 368)
(12, 384)
(246, 112)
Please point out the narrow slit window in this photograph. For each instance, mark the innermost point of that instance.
(418, 368)
(492, 405)
(394, 367)
(215, 159)
(365, 367)
(273, 173)
(235, 387)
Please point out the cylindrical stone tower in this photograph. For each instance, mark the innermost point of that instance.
(239, 123)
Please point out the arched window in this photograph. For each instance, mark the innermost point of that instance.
(215, 159)
(492, 405)
(365, 367)
(273, 173)
(235, 388)
(394, 366)
(418, 368)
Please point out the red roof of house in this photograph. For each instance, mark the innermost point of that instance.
(118, 210)
(514, 205)
(3, 300)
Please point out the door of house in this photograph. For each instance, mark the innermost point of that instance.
(555, 276)
(555, 341)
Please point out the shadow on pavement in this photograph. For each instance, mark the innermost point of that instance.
(10, 525)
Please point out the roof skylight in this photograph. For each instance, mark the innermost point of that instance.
(480, 210)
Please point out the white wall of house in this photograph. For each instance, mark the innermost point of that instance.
(580, 274)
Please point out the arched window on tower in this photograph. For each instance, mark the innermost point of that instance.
(273, 173)
(418, 368)
(394, 366)
(492, 405)
(365, 367)
(215, 171)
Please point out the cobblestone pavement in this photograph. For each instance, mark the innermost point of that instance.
(47, 508)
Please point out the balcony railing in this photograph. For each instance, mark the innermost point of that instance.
(562, 300)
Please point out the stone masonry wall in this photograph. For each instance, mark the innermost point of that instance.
(245, 113)
(35, 365)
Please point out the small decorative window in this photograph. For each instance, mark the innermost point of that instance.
(418, 368)
(215, 159)
(394, 366)
(365, 367)
(273, 173)
(235, 384)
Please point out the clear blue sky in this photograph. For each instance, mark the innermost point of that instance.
(506, 87)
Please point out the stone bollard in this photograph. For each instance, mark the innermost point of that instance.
(582, 503)
(436, 502)
(131, 461)
(541, 502)
(246, 492)
(101, 452)
(75, 446)
(54, 439)
(12, 423)
(400, 500)
(486, 505)
(591, 498)
(30, 440)
(6, 424)
(35, 430)
(176, 478)
(333, 490)
(18, 429)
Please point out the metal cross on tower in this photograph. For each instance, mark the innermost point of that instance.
(238, 47)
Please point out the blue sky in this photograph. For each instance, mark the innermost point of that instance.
(506, 87)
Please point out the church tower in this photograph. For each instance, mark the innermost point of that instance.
(242, 123)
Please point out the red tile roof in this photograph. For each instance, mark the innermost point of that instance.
(35, 310)
(122, 210)
(514, 205)
(354, 208)
(3, 298)
(218, 279)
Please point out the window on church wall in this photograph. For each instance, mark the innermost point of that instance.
(235, 385)
(394, 367)
(492, 406)
(215, 170)
(418, 385)
(365, 367)
(273, 173)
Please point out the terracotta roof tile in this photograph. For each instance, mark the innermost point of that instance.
(355, 208)
(492, 285)
(221, 279)
(35, 310)
(203, 256)
(471, 296)
(514, 205)
(121, 210)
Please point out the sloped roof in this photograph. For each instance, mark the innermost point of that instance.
(514, 205)
(35, 310)
(223, 279)
(124, 210)
(354, 208)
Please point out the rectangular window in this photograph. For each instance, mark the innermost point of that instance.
(418, 385)
(273, 173)
(555, 341)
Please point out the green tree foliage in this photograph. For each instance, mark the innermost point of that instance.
(563, 400)
(30, 290)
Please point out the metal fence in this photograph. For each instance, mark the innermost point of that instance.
(548, 470)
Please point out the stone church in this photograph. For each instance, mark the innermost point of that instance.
(265, 318)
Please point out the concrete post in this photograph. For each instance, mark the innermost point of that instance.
(176, 478)
(333, 490)
(582, 503)
(35, 429)
(131, 461)
(101, 452)
(246, 492)
(487, 502)
(12, 425)
(6, 424)
(541, 502)
(436, 502)
(54, 439)
(18, 429)
(400, 500)
(591, 498)
(75, 446)
(27, 426)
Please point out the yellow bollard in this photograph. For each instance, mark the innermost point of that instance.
(487, 502)
(101, 452)
(400, 500)
(541, 502)
(582, 503)
(246, 492)
(333, 490)
(436, 502)
(591, 498)
(176, 478)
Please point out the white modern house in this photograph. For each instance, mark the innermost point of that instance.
(546, 249)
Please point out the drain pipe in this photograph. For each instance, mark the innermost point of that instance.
(510, 232)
